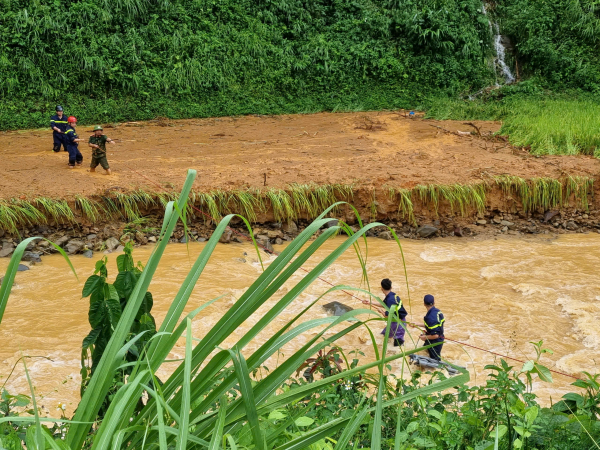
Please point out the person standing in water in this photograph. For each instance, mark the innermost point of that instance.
(98, 143)
(72, 141)
(392, 299)
(434, 328)
(59, 124)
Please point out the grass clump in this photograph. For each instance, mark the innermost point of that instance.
(545, 125)
(547, 193)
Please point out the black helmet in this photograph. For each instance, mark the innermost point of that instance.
(59, 108)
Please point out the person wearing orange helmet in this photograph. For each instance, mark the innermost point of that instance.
(72, 141)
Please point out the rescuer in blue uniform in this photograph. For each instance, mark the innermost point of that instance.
(72, 140)
(59, 124)
(392, 299)
(434, 328)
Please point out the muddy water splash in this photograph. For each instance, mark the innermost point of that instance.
(496, 294)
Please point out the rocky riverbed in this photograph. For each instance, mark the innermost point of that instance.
(91, 240)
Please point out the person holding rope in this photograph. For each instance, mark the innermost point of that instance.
(98, 142)
(434, 328)
(392, 299)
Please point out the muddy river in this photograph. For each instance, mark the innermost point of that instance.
(496, 294)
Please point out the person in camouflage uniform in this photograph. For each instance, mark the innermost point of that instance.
(98, 143)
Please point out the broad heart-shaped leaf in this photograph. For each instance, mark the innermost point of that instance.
(125, 282)
(113, 304)
(146, 306)
(97, 311)
(92, 284)
(91, 338)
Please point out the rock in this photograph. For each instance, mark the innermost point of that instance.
(74, 246)
(497, 220)
(30, 246)
(152, 239)
(7, 249)
(238, 239)
(61, 241)
(458, 232)
(88, 254)
(290, 227)
(276, 225)
(585, 216)
(331, 223)
(506, 223)
(111, 243)
(387, 235)
(504, 229)
(426, 231)
(31, 256)
(22, 268)
(549, 215)
(200, 239)
(278, 241)
(43, 244)
(1, 232)
(226, 236)
(120, 248)
(531, 229)
(572, 226)
(91, 237)
(336, 308)
(141, 238)
(481, 222)
(274, 234)
(184, 240)
(265, 243)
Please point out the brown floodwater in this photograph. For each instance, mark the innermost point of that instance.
(498, 294)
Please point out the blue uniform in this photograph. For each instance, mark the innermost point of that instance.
(72, 146)
(434, 324)
(59, 138)
(396, 329)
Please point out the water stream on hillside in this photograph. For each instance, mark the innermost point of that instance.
(497, 294)
(500, 49)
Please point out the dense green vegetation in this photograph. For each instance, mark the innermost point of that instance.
(192, 58)
(218, 399)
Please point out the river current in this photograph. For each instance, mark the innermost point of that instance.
(498, 294)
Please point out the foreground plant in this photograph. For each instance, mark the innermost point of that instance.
(195, 405)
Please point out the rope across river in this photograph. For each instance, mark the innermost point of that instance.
(350, 293)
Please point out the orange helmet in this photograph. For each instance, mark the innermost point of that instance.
(72, 119)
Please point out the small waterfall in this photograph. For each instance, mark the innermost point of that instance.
(499, 61)
(500, 55)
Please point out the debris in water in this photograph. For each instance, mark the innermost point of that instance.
(336, 308)
(430, 363)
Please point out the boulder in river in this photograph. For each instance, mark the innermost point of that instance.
(387, 235)
(88, 254)
(290, 227)
(22, 268)
(265, 243)
(74, 246)
(111, 243)
(32, 257)
(226, 236)
(331, 223)
(7, 249)
(426, 231)
(336, 308)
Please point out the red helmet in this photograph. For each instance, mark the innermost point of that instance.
(72, 119)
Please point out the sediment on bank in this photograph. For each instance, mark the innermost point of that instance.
(502, 204)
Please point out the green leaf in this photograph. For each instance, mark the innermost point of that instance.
(435, 413)
(413, 426)
(92, 284)
(304, 421)
(277, 415)
(528, 366)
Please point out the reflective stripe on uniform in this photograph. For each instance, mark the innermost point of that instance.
(439, 324)
(59, 121)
